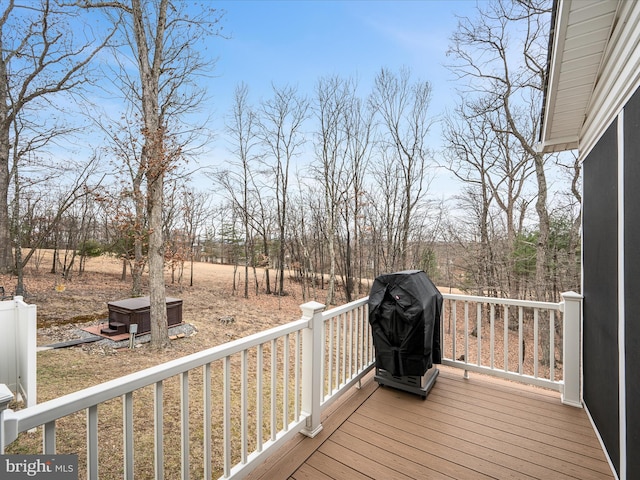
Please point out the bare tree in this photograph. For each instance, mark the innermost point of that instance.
(280, 129)
(41, 60)
(148, 46)
(404, 109)
(470, 155)
(359, 129)
(81, 187)
(332, 97)
(161, 36)
(195, 206)
(501, 56)
(385, 213)
(572, 204)
(238, 180)
(302, 223)
(263, 223)
(125, 145)
(343, 145)
(496, 171)
(507, 71)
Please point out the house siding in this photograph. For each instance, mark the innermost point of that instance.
(600, 289)
(632, 274)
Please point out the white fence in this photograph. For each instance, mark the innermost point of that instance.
(537, 343)
(221, 412)
(18, 348)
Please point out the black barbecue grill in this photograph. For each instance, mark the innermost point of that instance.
(404, 313)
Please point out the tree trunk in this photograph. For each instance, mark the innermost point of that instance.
(5, 228)
(153, 155)
(54, 263)
(281, 254)
(265, 250)
(541, 253)
(138, 261)
(5, 178)
(123, 275)
(332, 268)
(158, 306)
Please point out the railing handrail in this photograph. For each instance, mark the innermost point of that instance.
(74, 402)
(305, 364)
(349, 330)
(347, 307)
(85, 398)
(565, 313)
(504, 301)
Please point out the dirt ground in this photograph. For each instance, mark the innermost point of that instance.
(64, 307)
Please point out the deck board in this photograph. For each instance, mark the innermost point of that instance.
(433, 458)
(447, 446)
(474, 428)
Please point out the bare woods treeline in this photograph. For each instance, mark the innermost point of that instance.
(213, 233)
(321, 192)
(324, 221)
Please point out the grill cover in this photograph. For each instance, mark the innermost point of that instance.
(404, 313)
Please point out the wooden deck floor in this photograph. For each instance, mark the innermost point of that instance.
(466, 429)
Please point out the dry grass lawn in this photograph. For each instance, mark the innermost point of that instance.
(65, 307)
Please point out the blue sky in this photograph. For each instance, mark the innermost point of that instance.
(296, 42)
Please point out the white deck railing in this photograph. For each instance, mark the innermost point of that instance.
(542, 344)
(269, 386)
(259, 391)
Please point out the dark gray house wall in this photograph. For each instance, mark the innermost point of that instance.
(632, 282)
(600, 290)
(611, 288)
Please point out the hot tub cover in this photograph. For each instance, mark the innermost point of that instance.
(404, 313)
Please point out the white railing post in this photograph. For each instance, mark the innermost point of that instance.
(5, 398)
(312, 367)
(571, 339)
